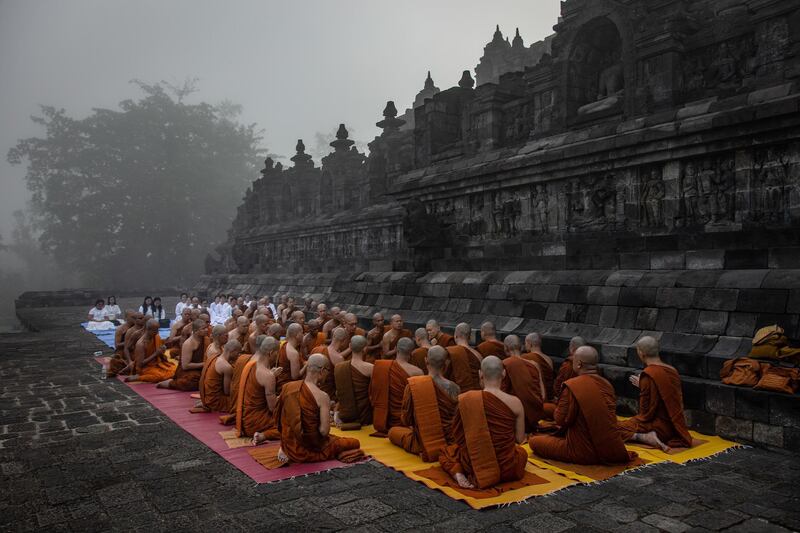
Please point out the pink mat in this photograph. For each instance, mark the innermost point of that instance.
(205, 427)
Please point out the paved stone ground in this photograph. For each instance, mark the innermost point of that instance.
(79, 453)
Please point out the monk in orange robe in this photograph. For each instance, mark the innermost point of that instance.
(313, 338)
(421, 352)
(566, 370)
(149, 357)
(256, 401)
(187, 375)
(332, 352)
(241, 333)
(429, 404)
(290, 358)
(523, 379)
(438, 337)
(490, 345)
(465, 361)
(374, 348)
(236, 379)
(333, 321)
(350, 324)
(219, 338)
(215, 380)
(487, 429)
(176, 329)
(386, 388)
(121, 362)
(261, 325)
(353, 408)
(392, 336)
(586, 414)
(304, 421)
(660, 421)
(533, 352)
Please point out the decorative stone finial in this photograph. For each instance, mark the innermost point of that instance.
(429, 81)
(517, 42)
(466, 81)
(301, 148)
(342, 143)
(390, 121)
(342, 133)
(302, 159)
(268, 164)
(390, 111)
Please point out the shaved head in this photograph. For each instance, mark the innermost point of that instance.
(269, 344)
(405, 346)
(274, 329)
(294, 330)
(218, 330)
(339, 334)
(317, 362)
(233, 345)
(313, 324)
(586, 357)
(512, 343)
(534, 340)
(358, 343)
(259, 340)
(462, 331)
(488, 329)
(437, 357)
(492, 368)
(261, 320)
(647, 347)
(420, 333)
(575, 343)
(242, 321)
(152, 325)
(197, 325)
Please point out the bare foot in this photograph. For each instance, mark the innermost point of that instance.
(463, 482)
(652, 439)
(257, 439)
(282, 457)
(336, 420)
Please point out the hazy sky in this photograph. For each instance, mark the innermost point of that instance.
(296, 67)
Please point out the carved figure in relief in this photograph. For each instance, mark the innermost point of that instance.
(652, 196)
(539, 206)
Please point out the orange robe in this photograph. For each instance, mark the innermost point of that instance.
(159, 369)
(547, 372)
(492, 347)
(484, 445)
(523, 381)
(565, 372)
(404, 333)
(352, 392)
(444, 340)
(236, 379)
(189, 380)
(297, 419)
(244, 340)
(464, 368)
(212, 387)
(252, 410)
(283, 362)
(660, 408)
(374, 350)
(386, 388)
(418, 358)
(589, 434)
(117, 362)
(329, 384)
(426, 417)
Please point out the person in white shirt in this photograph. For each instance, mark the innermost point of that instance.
(114, 312)
(147, 307)
(217, 311)
(181, 305)
(248, 299)
(98, 317)
(159, 313)
(271, 306)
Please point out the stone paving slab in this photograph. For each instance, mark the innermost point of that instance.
(79, 453)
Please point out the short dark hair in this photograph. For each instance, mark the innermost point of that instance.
(99, 301)
(184, 294)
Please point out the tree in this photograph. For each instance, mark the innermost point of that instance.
(135, 197)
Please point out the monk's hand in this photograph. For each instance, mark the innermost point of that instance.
(277, 371)
(336, 420)
(463, 482)
(634, 379)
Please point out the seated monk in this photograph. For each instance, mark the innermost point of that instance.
(391, 337)
(257, 396)
(275, 331)
(304, 421)
(373, 350)
(490, 345)
(215, 380)
(290, 358)
(151, 364)
(322, 316)
(233, 320)
(176, 329)
(187, 375)
(313, 338)
(353, 409)
(566, 370)
(350, 324)
(132, 336)
(465, 361)
(219, 337)
(333, 321)
(487, 428)
(236, 378)
(533, 352)
(333, 352)
(261, 324)
(121, 359)
(421, 352)
(586, 414)
(241, 333)
(429, 403)
(660, 419)
(298, 317)
(389, 380)
(436, 336)
(523, 379)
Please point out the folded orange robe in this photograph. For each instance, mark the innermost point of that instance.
(297, 419)
(189, 380)
(427, 416)
(565, 372)
(283, 362)
(589, 434)
(252, 410)
(159, 369)
(212, 387)
(329, 383)
(523, 381)
(492, 347)
(404, 333)
(386, 388)
(418, 358)
(352, 392)
(464, 368)
(546, 374)
(445, 340)
(236, 378)
(660, 408)
(484, 446)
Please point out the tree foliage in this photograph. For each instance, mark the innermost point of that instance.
(136, 196)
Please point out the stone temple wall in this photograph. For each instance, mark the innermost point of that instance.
(642, 176)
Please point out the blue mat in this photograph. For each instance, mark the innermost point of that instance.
(107, 335)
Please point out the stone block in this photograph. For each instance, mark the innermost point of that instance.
(608, 315)
(634, 261)
(782, 279)
(667, 260)
(793, 304)
(660, 278)
(602, 295)
(784, 410)
(741, 324)
(699, 278)
(611, 354)
(694, 394)
(638, 296)
(572, 294)
(557, 312)
(752, 404)
(712, 322)
(544, 293)
(679, 342)
(726, 346)
(741, 279)
(734, 428)
(626, 317)
(534, 310)
(687, 321)
(767, 435)
(716, 299)
(689, 364)
(791, 439)
(762, 300)
(646, 318)
(721, 399)
(679, 298)
(746, 259)
(593, 314)
(784, 257)
(705, 259)
(666, 319)
(497, 292)
(701, 420)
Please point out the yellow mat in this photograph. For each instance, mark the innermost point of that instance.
(591, 473)
(383, 451)
(704, 447)
(232, 439)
